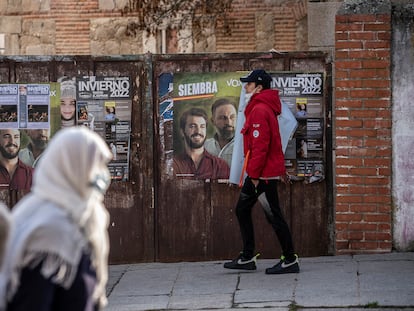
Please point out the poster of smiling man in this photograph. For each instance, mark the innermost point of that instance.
(204, 122)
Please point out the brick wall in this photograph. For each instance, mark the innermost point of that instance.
(72, 25)
(363, 132)
(243, 25)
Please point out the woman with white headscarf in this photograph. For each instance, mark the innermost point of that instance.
(57, 252)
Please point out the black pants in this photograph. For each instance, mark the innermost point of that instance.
(267, 191)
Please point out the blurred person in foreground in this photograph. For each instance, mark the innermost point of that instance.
(265, 164)
(57, 253)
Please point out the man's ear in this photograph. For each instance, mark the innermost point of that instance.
(259, 88)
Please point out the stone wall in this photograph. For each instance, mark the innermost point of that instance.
(100, 27)
(115, 36)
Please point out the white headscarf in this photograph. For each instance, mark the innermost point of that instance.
(63, 214)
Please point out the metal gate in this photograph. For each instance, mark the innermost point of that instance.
(156, 218)
(195, 220)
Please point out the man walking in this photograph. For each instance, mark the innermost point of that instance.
(264, 162)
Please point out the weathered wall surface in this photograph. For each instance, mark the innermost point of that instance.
(321, 21)
(403, 125)
(101, 27)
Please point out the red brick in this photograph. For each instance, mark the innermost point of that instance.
(342, 93)
(355, 18)
(378, 123)
(378, 162)
(361, 226)
(362, 152)
(376, 103)
(349, 103)
(363, 208)
(348, 180)
(363, 114)
(347, 27)
(349, 123)
(348, 64)
(375, 83)
(363, 73)
(363, 171)
(384, 93)
(377, 45)
(349, 161)
(356, 235)
(363, 245)
(384, 36)
(375, 63)
(377, 27)
(349, 217)
(366, 93)
(341, 74)
(339, 36)
(378, 236)
(377, 218)
(349, 83)
(362, 35)
(347, 45)
(362, 54)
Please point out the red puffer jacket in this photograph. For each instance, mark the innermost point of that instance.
(261, 137)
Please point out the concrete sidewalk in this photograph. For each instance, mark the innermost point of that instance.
(377, 282)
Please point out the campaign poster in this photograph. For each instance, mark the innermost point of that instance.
(104, 105)
(39, 110)
(204, 109)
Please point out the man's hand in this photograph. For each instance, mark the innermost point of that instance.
(255, 182)
(286, 179)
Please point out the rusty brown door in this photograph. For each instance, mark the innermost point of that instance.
(195, 220)
(130, 203)
(156, 218)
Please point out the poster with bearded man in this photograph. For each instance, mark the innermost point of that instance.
(204, 122)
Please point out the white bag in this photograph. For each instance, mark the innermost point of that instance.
(287, 125)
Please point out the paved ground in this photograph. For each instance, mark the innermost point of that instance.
(361, 282)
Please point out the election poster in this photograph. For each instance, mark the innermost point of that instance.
(38, 110)
(204, 115)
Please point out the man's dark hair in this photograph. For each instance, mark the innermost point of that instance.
(221, 102)
(198, 112)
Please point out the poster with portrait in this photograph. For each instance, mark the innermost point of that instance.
(36, 111)
(204, 109)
